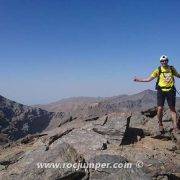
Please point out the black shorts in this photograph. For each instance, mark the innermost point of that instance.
(170, 96)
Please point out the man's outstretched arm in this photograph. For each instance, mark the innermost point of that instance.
(176, 73)
(150, 78)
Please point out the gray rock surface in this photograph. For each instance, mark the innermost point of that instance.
(17, 120)
(126, 171)
(114, 129)
(86, 142)
(29, 166)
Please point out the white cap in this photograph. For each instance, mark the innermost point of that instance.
(163, 57)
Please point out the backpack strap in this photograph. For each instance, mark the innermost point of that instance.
(157, 82)
(172, 69)
(173, 72)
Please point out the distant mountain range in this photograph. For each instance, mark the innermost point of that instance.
(18, 120)
(139, 101)
(69, 104)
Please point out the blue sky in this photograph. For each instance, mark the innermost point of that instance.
(62, 48)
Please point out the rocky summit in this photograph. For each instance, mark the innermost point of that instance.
(100, 138)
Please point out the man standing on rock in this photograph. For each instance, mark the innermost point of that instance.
(165, 87)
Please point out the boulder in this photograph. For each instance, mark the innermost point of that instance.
(86, 142)
(114, 128)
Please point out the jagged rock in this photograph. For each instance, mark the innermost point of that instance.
(69, 119)
(114, 129)
(11, 159)
(138, 119)
(101, 121)
(150, 112)
(92, 118)
(86, 142)
(27, 167)
(57, 136)
(30, 138)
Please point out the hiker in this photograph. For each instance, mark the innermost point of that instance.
(165, 87)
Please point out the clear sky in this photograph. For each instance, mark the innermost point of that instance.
(52, 49)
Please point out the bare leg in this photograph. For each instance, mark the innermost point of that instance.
(174, 117)
(160, 115)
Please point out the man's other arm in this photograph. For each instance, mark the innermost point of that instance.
(150, 78)
(176, 73)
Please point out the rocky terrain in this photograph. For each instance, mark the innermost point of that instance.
(98, 134)
(17, 120)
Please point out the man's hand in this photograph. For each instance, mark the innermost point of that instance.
(178, 75)
(137, 79)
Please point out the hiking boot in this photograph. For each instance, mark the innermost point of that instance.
(161, 129)
(159, 133)
(176, 130)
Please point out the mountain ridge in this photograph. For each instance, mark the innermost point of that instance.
(82, 100)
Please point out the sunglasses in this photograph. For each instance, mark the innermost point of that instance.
(164, 61)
